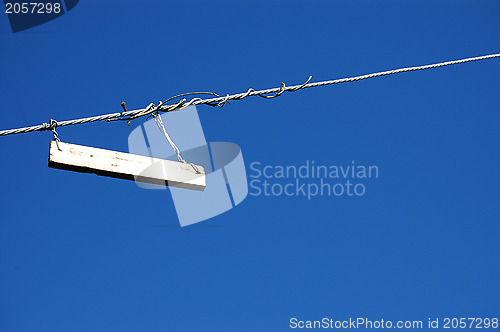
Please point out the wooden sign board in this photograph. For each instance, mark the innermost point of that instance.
(127, 166)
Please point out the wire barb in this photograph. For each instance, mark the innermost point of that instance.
(221, 101)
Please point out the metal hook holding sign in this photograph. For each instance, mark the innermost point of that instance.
(159, 123)
(52, 125)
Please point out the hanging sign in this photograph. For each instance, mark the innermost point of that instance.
(127, 166)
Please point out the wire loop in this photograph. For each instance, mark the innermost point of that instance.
(52, 125)
(224, 101)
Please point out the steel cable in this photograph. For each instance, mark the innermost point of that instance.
(220, 101)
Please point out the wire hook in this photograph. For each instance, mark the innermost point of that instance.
(52, 127)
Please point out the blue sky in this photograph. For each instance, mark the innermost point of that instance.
(80, 252)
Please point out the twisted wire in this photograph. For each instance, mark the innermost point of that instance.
(220, 101)
(160, 125)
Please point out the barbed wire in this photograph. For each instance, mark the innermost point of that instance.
(220, 101)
